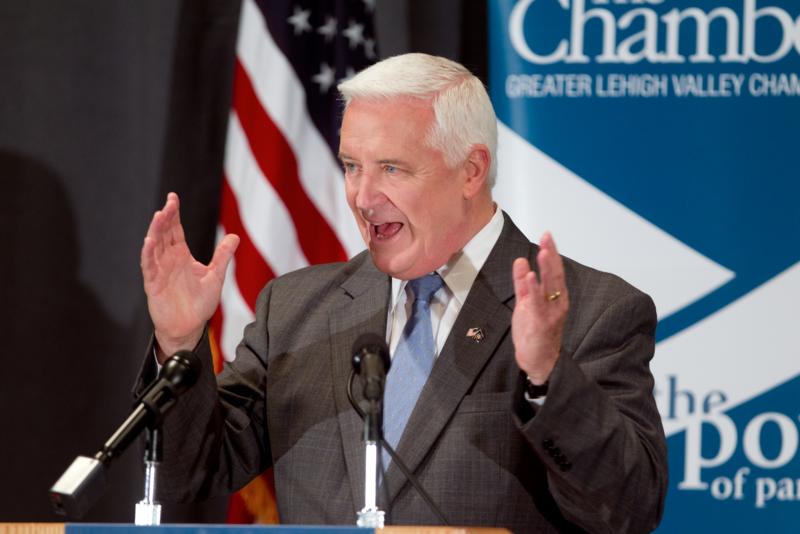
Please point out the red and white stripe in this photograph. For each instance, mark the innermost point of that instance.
(283, 190)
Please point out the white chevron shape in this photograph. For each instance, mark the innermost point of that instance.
(741, 351)
(591, 227)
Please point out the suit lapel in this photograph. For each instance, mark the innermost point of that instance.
(362, 308)
(488, 306)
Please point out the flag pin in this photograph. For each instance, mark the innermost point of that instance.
(475, 334)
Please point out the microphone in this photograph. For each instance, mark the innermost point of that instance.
(178, 374)
(371, 361)
(84, 480)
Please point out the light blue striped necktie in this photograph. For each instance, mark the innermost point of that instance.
(412, 361)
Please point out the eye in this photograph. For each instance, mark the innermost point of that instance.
(349, 167)
(390, 169)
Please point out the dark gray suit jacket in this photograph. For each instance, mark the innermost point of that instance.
(592, 458)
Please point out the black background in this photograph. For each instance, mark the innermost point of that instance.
(105, 105)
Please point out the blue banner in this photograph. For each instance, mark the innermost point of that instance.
(658, 139)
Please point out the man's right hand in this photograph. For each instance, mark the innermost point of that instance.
(182, 293)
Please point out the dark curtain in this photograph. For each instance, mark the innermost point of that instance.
(105, 105)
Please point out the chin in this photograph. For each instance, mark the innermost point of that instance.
(383, 264)
(386, 264)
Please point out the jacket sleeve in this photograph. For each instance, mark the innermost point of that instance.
(599, 433)
(215, 438)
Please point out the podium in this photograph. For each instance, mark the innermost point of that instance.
(124, 528)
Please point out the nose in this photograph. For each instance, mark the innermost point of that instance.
(369, 195)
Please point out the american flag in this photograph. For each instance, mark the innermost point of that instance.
(283, 188)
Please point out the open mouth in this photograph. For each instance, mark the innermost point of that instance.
(385, 230)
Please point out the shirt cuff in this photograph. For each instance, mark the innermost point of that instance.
(538, 401)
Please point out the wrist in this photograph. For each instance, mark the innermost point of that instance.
(539, 367)
(538, 375)
(166, 345)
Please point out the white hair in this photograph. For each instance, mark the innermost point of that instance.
(463, 113)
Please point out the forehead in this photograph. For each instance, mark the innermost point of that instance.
(398, 121)
(416, 106)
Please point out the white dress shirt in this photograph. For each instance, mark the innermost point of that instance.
(458, 274)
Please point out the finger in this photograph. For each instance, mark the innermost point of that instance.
(551, 271)
(519, 270)
(155, 232)
(547, 242)
(148, 260)
(172, 202)
(551, 267)
(223, 254)
(159, 236)
(172, 230)
(152, 228)
(161, 218)
(170, 207)
(536, 291)
(175, 226)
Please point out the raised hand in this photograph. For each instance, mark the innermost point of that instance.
(540, 311)
(182, 293)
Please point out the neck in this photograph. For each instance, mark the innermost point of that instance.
(483, 212)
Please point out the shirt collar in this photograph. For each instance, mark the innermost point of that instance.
(463, 267)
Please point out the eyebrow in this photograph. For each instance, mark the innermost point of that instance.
(397, 162)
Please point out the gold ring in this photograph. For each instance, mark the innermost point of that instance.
(553, 296)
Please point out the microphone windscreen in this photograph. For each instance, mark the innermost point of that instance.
(181, 370)
(370, 343)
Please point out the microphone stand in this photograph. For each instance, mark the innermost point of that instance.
(395, 458)
(84, 481)
(148, 511)
(371, 516)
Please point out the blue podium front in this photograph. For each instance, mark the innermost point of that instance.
(114, 528)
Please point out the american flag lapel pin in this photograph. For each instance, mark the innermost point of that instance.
(475, 334)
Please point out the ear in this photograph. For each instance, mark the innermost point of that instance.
(476, 170)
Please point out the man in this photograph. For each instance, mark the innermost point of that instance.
(534, 410)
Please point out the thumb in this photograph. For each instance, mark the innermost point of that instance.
(224, 253)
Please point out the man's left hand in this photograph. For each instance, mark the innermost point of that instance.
(540, 311)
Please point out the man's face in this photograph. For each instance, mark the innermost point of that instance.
(409, 206)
